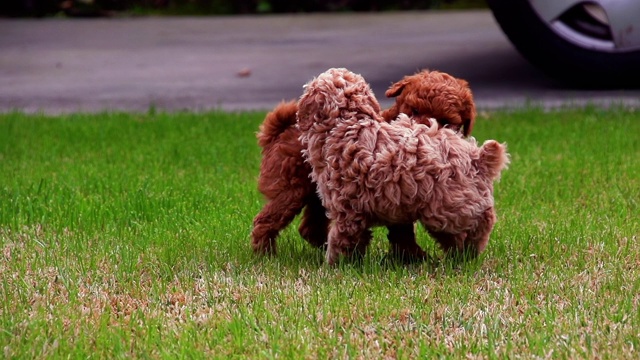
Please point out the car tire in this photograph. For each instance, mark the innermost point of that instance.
(559, 58)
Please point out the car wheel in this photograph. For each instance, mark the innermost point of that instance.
(595, 42)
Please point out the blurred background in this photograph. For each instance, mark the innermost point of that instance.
(84, 8)
(65, 55)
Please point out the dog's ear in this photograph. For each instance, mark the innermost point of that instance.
(391, 113)
(469, 114)
(306, 108)
(396, 88)
(467, 126)
(468, 119)
(463, 83)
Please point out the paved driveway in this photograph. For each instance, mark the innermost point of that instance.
(59, 65)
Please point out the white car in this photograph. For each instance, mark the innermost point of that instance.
(595, 42)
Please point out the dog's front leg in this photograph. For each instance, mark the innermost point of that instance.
(450, 243)
(478, 238)
(403, 243)
(348, 238)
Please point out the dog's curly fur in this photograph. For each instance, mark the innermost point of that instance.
(369, 172)
(284, 176)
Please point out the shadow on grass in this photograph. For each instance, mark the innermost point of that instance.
(293, 256)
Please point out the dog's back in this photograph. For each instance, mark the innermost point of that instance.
(404, 171)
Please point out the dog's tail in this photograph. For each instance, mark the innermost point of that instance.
(493, 159)
(282, 117)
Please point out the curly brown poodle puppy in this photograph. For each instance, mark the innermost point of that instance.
(284, 176)
(371, 172)
(434, 94)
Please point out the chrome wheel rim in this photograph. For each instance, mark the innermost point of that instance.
(602, 25)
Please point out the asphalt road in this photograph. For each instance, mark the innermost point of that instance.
(61, 65)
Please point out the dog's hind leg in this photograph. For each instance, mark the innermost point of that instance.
(274, 216)
(315, 224)
(403, 243)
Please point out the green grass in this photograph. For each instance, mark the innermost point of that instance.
(125, 235)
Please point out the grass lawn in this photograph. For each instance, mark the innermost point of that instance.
(127, 236)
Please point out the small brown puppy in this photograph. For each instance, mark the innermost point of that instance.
(284, 175)
(434, 94)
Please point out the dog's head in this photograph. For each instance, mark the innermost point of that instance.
(434, 94)
(333, 94)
